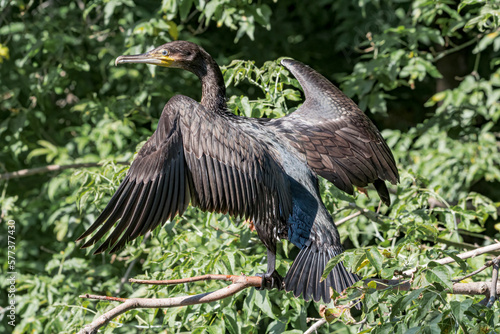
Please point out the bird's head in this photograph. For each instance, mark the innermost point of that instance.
(177, 54)
(191, 57)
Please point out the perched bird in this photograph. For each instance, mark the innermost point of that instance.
(265, 170)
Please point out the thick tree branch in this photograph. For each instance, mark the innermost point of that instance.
(52, 168)
(238, 283)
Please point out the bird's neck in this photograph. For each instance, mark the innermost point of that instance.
(212, 85)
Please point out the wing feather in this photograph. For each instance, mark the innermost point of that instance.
(198, 156)
(337, 139)
(149, 208)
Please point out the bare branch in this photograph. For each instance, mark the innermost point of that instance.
(223, 231)
(343, 220)
(51, 168)
(379, 218)
(486, 265)
(466, 255)
(315, 326)
(471, 289)
(107, 298)
(494, 283)
(239, 283)
(254, 281)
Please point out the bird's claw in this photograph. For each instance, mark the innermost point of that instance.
(271, 281)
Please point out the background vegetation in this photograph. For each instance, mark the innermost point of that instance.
(426, 72)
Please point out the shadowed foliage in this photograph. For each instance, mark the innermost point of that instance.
(425, 72)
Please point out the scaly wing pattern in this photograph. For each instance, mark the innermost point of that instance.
(338, 140)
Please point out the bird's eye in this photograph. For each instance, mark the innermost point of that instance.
(164, 52)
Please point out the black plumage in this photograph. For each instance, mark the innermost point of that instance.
(259, 169)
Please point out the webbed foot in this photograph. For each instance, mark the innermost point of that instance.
(271, 281)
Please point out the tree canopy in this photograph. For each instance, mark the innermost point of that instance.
(426, 72)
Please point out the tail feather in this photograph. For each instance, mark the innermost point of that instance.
(305, 274)
(302, 275)
(311, 279)
(382, 191)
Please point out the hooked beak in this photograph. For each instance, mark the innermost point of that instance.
(145, 58)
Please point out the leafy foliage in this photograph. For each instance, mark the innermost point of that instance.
(426, 71)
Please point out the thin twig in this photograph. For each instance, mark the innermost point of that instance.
(52, 168)
(131, 266)
(254, 281)
(315, 326)
(486, 265)
(494, 283)
(379, 218)
(471, 289)
(463, 245)
(466, 255)
(224, 231)
(456, 49)
(108, 298)
(345, 219)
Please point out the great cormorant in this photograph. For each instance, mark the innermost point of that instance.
(260, 169)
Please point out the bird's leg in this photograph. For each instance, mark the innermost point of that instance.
(271, 279)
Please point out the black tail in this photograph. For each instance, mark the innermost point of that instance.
(305, 274)
(382, 191)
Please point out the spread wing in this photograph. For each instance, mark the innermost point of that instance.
(339, 142)
(196, 156)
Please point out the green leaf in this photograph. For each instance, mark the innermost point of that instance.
(276, 326)
(402, 304)
(458, 308)
(331, 264)
(376, 259)
(425, 305)
(184, 8)
(436, 273)
(371, 299)
(12, 29)
(230, 321)
(262, 302)
(486, 41)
